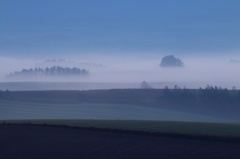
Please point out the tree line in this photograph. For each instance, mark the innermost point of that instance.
(52, 71)
(207, 96)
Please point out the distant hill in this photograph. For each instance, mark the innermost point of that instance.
(211, 101)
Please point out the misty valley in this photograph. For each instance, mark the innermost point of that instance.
(119, 79)
(138, 108)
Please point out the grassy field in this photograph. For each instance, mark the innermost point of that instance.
(35, 110)
(170, 127)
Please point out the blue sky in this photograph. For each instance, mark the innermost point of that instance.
(58, 27)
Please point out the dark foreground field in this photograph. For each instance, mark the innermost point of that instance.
(48, 142)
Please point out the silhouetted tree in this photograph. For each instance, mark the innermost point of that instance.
(171, 61)
(145, 85)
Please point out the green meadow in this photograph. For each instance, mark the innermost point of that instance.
(172, 127)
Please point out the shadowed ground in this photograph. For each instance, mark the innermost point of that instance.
(21, 141)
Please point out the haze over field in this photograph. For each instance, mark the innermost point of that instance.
(197, 71)
(123, 41)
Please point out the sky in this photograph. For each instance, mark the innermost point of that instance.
(126, 34)
(57, 27)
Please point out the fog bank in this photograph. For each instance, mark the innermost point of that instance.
(197, 72)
